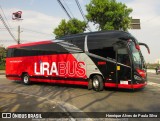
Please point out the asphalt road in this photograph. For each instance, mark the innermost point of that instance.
(42, 97)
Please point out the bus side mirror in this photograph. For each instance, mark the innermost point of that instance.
(145, 46)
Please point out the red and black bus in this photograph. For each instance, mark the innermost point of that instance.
(95, 59)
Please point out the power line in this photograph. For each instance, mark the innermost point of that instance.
(81, 11)
(35, 31)
(148, 20)
(29, 30)
(78, 4)
(68, 8)
(64, 9)
(5, 28)
(5, 16)
(4, 23)
(9, 41)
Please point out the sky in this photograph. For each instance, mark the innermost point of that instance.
(41, 17)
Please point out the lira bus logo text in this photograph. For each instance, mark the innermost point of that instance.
(60, 69)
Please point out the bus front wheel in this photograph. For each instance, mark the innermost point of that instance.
(97, 83)
(25, 79)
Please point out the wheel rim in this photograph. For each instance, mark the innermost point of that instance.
(25, 79)
(95, 83)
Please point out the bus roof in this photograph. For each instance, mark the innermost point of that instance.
(106, 32)
(115, 33)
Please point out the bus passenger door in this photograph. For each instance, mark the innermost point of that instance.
(123, 70)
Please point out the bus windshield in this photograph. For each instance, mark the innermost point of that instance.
(137, 59)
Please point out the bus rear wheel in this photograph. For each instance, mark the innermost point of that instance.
(25, 79)
(97, 83)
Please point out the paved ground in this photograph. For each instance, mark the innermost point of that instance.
(16, 97)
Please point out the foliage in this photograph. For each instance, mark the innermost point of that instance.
(2, 66)
(109, 14)
(152, 65)
(72, 26)
(2, 58)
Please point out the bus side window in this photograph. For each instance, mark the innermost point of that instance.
(10, 52)
(102, 47)
(123, 57)
(110, 52)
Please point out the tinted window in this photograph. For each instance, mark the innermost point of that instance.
(102, 46)
(45, 49)
(10, 52)
(78, 41)
(123, 57)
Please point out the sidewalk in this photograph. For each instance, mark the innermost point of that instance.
(151, 70)
(2, 72)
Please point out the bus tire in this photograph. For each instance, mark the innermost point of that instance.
(97, 83)
(90, 84)
(25, 79)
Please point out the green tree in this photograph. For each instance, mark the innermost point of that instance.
(2, 57)
(109, 14)
(72, 26)
(2, 54)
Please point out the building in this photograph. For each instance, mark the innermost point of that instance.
(157, 61)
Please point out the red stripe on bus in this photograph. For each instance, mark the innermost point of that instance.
(125, 86)
(110, 84)
(137, 86)
(62, 82)
(70, 82)
(30, 44)
(101, 63)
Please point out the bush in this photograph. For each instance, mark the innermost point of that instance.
(2, 66)
(152, 66)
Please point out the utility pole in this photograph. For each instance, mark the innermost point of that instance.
(19, 31)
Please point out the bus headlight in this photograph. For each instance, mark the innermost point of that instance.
(137, 78)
